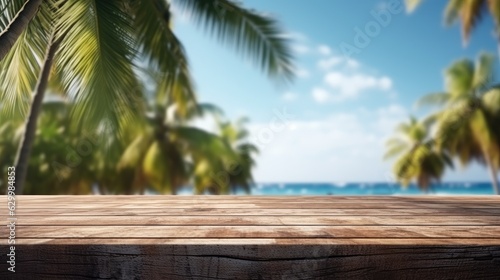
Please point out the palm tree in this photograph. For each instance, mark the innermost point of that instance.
(105, 69)
(55, 167)
(163, 152)
(14, 18)
(99, 43)
(9, 135)
(468, 125)
(236, 135)
(469, 12)
(167, 152)
(417, 156)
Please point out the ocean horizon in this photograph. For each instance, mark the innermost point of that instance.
(364, 188)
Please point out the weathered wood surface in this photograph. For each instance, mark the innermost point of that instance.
(242, 237)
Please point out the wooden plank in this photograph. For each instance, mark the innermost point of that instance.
(21, 211)
(257, 231)
(257, 241)
(211, 237)
(256, 220)
(262, 206)
(257, 262)
(253, 199)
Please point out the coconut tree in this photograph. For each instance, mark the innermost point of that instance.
(9, 135)
(467, 127)
(55, 166)
(240, 172)
(50, 43)
(468, 12)
(167, 152)
(163, 152)
(417, 156)
(98, 43)
(14, 18)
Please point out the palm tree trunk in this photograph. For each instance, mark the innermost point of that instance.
(28, 138)
(494, 178)
(18, 24)
(101, 188)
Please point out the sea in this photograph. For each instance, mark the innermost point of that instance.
(448, 188)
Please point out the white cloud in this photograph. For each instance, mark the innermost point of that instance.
(348, 86)
(324, 50)
(300, 49)
(298, 36)
(347, 78)
(340, 147)
(352, 63)
(289, 96)
(302, 73)
(385, 83)
(388, 117)
(320, 95)
(328, 63)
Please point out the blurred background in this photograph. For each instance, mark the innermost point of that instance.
(254, 97)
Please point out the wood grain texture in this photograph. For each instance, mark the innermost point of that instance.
(225, 231)
(258, 262)
(208, 220)
(214, 211)
(260, 237)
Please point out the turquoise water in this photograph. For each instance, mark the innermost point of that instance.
(369, 189)
(457, 188)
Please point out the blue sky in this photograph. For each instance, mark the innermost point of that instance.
(340, 110)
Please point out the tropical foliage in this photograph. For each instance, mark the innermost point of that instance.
(468, 12)
(161, 157)
(468, 126)
(236, 135)
(417, 156)
(91, 48)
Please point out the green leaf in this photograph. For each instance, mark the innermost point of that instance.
(96, 63)
(438, 98)
(21, 66)
(253, 35)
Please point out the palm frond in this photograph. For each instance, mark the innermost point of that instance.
(491, 100)
(248, 148)
(403, 128)
(447, 160)
(494, 7)
(430, 120)
(438, 98)
(133, 155)
(483, 134)
(254, 35)
(459, 79)
(165, 54)
(21, 66)
(395, 150)
(211, 109)
(483, 71)
(201, 142)
(96, 57)
(470, 15)
(15, 16)
(452, 11)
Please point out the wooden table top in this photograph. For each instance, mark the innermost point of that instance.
(343, 220)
